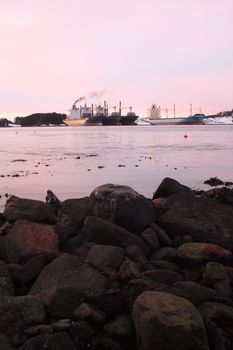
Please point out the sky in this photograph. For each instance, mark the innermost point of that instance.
(138, 51)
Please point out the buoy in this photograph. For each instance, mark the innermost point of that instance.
(185, 136)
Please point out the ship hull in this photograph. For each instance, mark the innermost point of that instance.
(93, 121)
(128, 120)
(176, 121)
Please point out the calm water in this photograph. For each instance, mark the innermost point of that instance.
(72, 161)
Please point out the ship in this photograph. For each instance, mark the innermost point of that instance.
(155, 118)
(98, 115)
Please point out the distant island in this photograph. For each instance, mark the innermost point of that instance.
(36, 119)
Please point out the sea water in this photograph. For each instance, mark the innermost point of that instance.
(72, 161)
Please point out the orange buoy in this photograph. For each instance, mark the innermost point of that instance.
(185, 136)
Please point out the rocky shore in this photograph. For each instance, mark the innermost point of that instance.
(117, 271)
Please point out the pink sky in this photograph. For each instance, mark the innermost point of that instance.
(139, 51)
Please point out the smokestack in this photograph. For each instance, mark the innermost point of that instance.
(92, 109)
(120, 107)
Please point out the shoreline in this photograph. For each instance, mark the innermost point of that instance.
(107, 270)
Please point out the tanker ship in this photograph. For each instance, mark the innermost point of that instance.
(155, 118)
(99, 115)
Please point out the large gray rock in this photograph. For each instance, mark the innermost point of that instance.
(165, 321)
(168, 187)
(67, 271)
(28, 209)
(31, 237)
(104, 232)
(203, 219)
(74, 211)
(106, 255)
(123, 206)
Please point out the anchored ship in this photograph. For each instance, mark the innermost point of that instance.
(155, 118)
(99, 115)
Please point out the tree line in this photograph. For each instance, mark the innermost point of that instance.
(38, 119)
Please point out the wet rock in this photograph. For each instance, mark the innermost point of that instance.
(90, 313)
(163, 276)
(103, 232)
(215, 275)
(121, 326)
(193, 254)
(168, 187)
(109, 256)
(6, 284)
(104, 343)
(213, 181)
(60, 302)
(28, 272)
(110, 301)
(39, 329)
(74, 211)
(67, 271)
(59, 341)
(129, 270)
(9, 251)
(28, 209)
(151, 238)
(18, 312)
(123, 206)
(135, 253)
(164, 320)
(218, 319)
(203, 219)
(164, 239)
(194, 292)
(32, 237)
(35, 343)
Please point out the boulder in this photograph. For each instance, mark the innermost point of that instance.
(194, 292)
(218, 319)
(163, 276)
(111, 301)
(121, 326)
(9, 251)
(123, 206)
(90, 313)
(203, 219)
(68, 271)
(193, 254)
(215, 275)
(31, 237)
(59, 341)
(103, 232)
(60, 302)
(6, 284)
(168, 187)
(19, 312)
(129, 270)
(151, 238)
(106, 255)
(163, 321)
(28, 272)
(74, 211)
(28, 209)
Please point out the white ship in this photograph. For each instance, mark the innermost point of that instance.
(98, 115)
